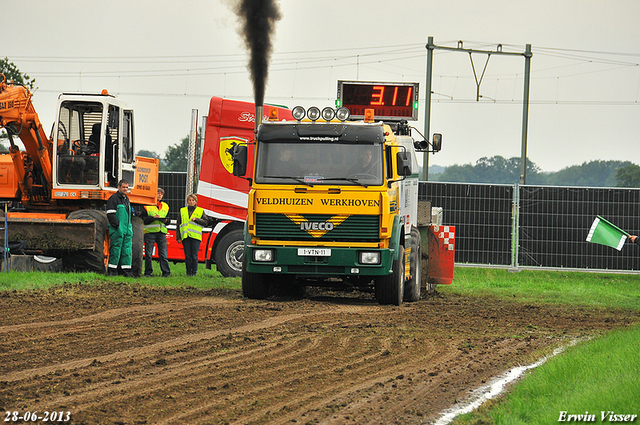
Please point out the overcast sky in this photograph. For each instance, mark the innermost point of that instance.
(165, 58)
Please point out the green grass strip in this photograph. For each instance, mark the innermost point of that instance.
(206, 279)
(601, 290)
(596, 379)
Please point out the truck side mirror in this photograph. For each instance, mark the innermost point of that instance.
(404, 163)
(437, 142)
(240, 160)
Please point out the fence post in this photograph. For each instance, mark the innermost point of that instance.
(515, 226)
(191, 153)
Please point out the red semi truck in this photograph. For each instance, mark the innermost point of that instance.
(220, 193)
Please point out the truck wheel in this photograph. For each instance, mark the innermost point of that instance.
(390, 288)
(254, 285)
(230, 253)
(412, 286)
(91, 260)
(47, 264)
(137, 246)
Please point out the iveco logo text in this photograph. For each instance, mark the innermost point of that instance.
(306, 226)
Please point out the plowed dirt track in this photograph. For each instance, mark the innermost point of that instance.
(130, 354)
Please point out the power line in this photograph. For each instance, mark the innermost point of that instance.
(395, 56)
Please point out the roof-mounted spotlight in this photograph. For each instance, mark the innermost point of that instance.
(328, 114)
(298, 113)
(313, 113)
(343, 113)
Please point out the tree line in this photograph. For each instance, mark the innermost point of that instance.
(175, 157)
(500, 170)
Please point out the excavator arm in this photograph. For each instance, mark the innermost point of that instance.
(19, 118)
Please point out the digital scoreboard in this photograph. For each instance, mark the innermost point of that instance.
(390, 101)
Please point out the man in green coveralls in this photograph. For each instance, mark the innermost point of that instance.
(120, 231)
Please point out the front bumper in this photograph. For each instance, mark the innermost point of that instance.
(341, 262)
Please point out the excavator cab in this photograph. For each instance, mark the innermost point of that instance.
(59, 185)
(94, 136)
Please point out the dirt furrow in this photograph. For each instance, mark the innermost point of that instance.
(127, 354)
(111, 314)
(158, 346)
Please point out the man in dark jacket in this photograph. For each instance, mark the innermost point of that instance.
(120, 231)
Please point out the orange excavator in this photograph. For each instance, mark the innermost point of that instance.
(56, 187)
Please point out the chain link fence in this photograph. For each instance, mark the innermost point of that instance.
(536, 226)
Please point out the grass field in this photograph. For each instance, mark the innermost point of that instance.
(592, 378)
(206, 279)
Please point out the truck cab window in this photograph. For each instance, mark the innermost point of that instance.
(319, 163)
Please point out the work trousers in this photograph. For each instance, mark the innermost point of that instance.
(160, 239)
(120, 251)
(191, 247)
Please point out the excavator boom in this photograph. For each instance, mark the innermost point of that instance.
(20, 119)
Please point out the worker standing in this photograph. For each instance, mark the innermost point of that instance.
(190, 223)
(155, 232)
(120, 231)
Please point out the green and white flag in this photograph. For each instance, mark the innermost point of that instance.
(605, 233)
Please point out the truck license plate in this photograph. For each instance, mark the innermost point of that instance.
(314, 252)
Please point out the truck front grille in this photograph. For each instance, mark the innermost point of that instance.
(351, 229)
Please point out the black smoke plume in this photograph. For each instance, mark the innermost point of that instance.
(257, 19)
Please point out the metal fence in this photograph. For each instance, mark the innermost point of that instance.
(174, 185)
(536, 226)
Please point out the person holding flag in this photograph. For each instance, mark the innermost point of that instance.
(605, 233)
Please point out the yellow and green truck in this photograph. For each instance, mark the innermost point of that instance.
(334, 201)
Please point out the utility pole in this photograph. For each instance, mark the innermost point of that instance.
(525, 114)
(525, 101)
(427, 108)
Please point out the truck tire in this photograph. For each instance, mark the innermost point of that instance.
(230, 253)
(254, 285)
(390, 288)
(91, 260)
(47, 264)
(412, 286)
(137, 246)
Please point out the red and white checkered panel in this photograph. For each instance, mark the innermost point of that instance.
(446, 236)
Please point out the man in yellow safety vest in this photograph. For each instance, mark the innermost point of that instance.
(191, 221)
(155, 232)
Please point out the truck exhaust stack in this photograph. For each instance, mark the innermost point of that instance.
(258, 119)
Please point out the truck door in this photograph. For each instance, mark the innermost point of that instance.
(128, 159)
(112, 158)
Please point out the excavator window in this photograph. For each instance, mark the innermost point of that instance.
(127, 138)
(111, 163)
(78, 150)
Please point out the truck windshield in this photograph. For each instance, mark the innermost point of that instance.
(319, 163)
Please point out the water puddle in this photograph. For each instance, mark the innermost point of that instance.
(493, 388)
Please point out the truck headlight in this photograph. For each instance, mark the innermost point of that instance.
(263, 255)
(365, 257)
